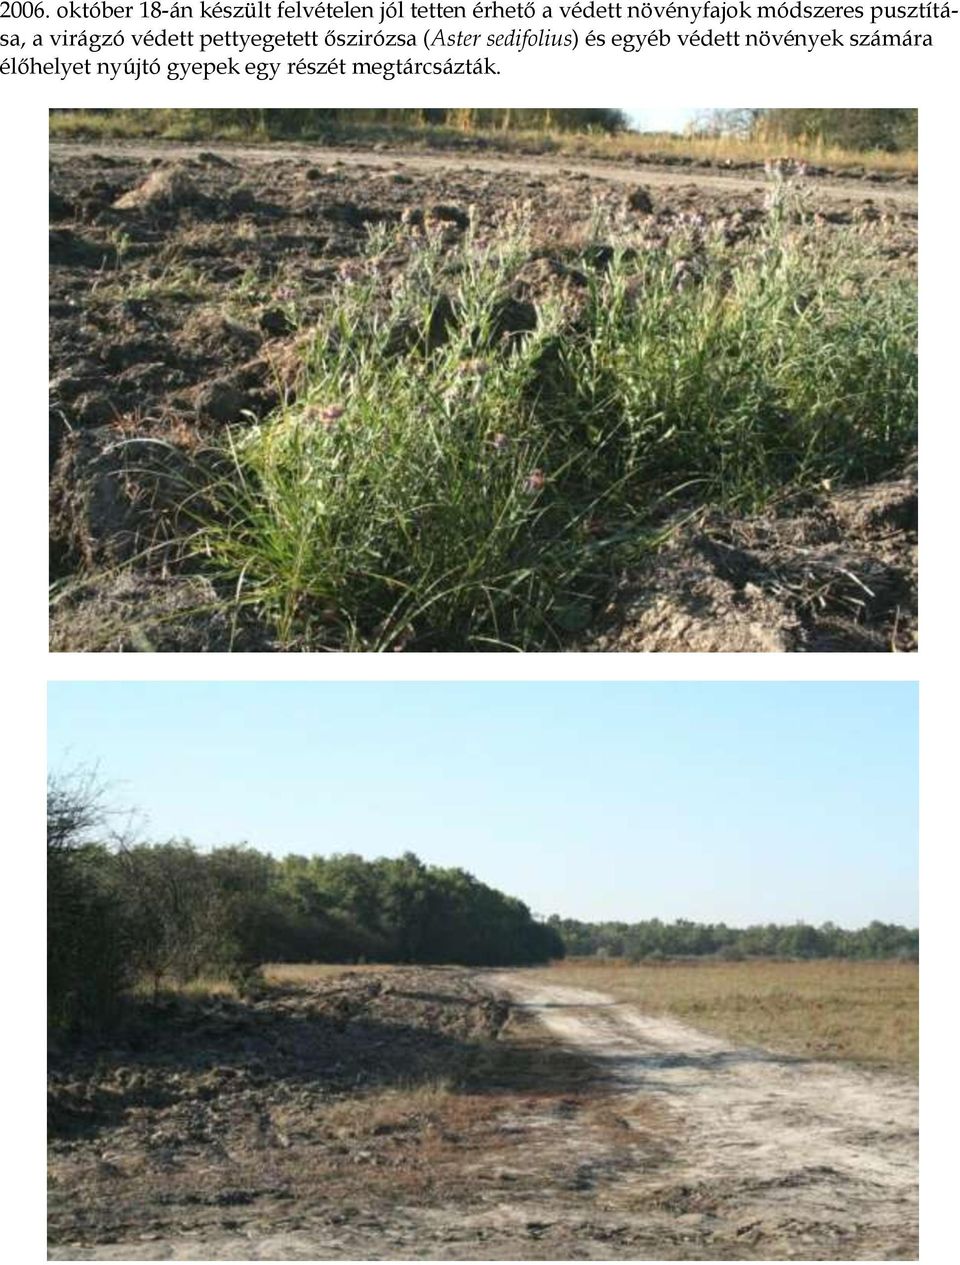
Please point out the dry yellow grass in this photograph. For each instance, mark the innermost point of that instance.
(864, 1012)
(180, 125)
(272, 972)
(202, 986)
(730, 149)
(305, 972)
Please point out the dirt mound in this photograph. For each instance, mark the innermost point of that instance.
(208, 333)
(186, 287)
(208, 158)
(113, 497)
(68, 247)
(640, 200)
(131, 612)
(198, 1107)
(835, 574)
(334, 1033)
(166, 189)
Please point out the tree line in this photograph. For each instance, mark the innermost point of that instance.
(654, 939)
(122, 912)
(892, 130)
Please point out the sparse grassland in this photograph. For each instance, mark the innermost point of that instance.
(864, 1012)
(406, 1112)
(307, 972)
(466, 469)
(384, 405)
(190, 125)
(724, 151)
(337, 1093)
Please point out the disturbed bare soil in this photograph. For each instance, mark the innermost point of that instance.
(184, 280)
(444, 1114)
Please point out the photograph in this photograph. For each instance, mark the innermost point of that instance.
(559, 970)
(483, 380)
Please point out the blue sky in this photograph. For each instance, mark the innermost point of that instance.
(734, 801)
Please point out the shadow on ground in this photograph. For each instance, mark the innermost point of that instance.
(349, 1035)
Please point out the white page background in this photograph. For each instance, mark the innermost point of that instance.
(925, 78)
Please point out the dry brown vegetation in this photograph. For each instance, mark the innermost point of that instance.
(341, 1103)
(409, 1113)
(865, 1012)
(731, 150)
(637, 147)
(307, 972)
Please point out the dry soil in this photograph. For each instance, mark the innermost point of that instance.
(313, 1124)
(173, 269)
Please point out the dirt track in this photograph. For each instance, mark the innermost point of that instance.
(800, 1148)
(830, 188)
(678, 1146)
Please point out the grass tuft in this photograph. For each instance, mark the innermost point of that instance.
(466, 469)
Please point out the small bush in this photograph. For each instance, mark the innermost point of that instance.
(87, 964)
(247, 979)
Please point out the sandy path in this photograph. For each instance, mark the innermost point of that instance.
(827, 189)
(828, 1145)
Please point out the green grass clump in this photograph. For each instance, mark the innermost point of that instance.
(449, 479)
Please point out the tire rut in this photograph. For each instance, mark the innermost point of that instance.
(830, 188)
(782, 1144)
